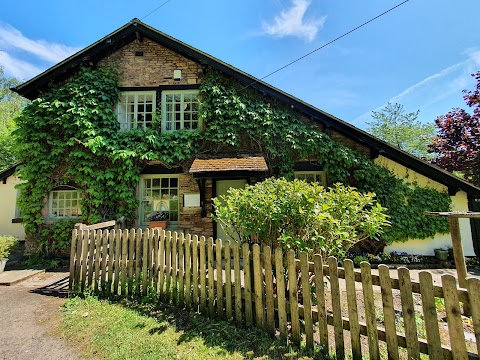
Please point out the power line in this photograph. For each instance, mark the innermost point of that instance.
(328, 43)
(151, 12)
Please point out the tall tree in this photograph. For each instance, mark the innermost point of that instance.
(11, 105)
(403, 130)
(457, 143)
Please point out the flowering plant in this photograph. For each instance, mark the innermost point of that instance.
(158, 216)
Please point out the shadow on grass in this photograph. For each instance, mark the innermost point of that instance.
(226, 335)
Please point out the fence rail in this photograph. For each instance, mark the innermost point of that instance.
(302, 299)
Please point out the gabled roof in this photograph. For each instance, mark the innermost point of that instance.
(5, 174)
(136, 29)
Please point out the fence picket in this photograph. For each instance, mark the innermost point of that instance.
(161, 263)
(370, 310)
(73, 260)
(103, 264)
(195, 277)
(269, 303)
(293, 296)
(118, 258)
(228, 280)
(203, 277)
(388, 311)
(320, 293)
(211, 278)
(247, 278)
(454, 318)
(93, 261)
(307, 299)
(238, 283)
(352, 309)
(181, 270)
(111, 242)
(258, 287)
(132, 239)
(281, 299)
(174, 271)
(136, 260)
(123, 270)
(408, 313)
(336, 307)
(430, 316)
(168, 264)
(219, 278)
(188, 272)
(473, 286)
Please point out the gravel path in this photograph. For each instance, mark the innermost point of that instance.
(28, 312)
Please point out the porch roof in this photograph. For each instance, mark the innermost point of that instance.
(215, 166)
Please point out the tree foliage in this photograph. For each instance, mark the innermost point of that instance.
(458, 138)
(11, 106)
(403, 130)
(301, 216)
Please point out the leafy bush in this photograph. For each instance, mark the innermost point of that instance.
(55, 239)
(7, 243)
(300, 216)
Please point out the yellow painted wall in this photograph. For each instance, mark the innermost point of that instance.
(8, 199)
(426, 246)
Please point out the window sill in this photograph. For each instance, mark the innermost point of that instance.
(17, 221)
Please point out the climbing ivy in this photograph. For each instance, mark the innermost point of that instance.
(70, 136)
(242, 118)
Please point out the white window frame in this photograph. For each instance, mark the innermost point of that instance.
(64, 205)
(182, 93)
(123, 111)
(319, 176)
(142, 221)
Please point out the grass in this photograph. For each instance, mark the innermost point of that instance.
(127, 329)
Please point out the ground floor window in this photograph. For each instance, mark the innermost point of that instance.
(312, 176)
(159, 193)
(64, 204)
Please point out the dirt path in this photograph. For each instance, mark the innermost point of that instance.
(28, 312)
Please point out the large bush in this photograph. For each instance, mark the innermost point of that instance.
(300, 216)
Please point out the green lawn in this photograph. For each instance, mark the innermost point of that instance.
(133, 330)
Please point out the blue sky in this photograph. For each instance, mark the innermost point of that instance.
(420, 55)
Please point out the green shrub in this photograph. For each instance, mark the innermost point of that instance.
(300, 216)
(55, 239)
(7, 243)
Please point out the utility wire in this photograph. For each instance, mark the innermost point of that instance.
(151, 12)
(328, 43)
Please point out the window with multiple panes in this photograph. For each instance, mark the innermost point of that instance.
(64, 204)
(180, 110)
(136, 109)
(312, 176)
(159, 193)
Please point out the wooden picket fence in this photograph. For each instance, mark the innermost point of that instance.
(295, 299)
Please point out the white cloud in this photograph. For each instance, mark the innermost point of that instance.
(20, 69)
(13, 39)
(435, 88)
(292, 22)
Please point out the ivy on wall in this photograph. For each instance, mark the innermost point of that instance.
(70, 135)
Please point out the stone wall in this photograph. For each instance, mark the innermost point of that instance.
(155, 67)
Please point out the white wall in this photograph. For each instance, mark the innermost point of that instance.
(8, 201)
(426, 246)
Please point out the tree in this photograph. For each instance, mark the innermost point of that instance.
(11, 106)
(457, 143)
(393, 125)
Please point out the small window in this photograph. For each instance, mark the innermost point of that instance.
(159, 193)
(180, 110)
(136, 109)
(64, 204)
(312, 176)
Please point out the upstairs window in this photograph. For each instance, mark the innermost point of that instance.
(136, 109)
(64, 204)
(180, 110)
